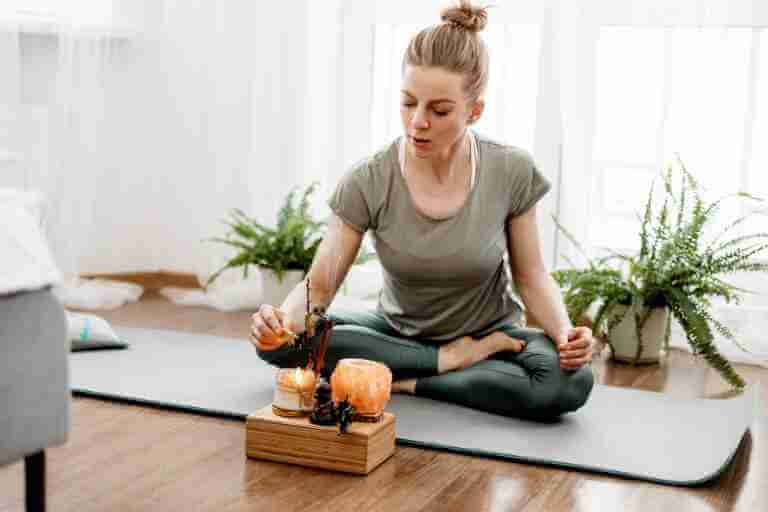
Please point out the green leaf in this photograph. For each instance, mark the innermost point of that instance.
(292, 245)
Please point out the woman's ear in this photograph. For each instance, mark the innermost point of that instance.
(476, 111)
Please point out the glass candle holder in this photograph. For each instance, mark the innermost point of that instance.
(367, 385)
(294, 392)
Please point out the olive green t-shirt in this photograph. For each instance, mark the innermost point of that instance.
(442, 278)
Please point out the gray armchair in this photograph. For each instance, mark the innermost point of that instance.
(34, 384)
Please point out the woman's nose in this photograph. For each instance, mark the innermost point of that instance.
(419, 121)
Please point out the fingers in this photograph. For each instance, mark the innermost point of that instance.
(580, 343)
(267, 331)
(579, 332)
(576, 358)
(574, 364)
(272, 318)
(578, 350)
(261, 345)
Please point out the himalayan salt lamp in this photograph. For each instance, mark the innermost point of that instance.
(365, 384)
(294, 392)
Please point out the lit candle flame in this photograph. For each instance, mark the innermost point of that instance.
(298, 377)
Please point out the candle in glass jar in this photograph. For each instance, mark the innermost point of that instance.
(294, 390)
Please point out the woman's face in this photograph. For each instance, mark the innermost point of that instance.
(434, 109)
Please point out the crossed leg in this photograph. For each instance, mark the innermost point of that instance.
(529, 383)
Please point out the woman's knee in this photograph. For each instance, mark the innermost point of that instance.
(558, 388)
(577, 389)
(347, 340)
(540, 357)
(282, 357)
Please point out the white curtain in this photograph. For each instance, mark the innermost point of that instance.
(144, 122)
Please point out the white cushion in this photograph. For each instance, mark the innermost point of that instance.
(27, 262)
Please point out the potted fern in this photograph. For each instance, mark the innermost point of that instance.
(675, 274)
(283, 254)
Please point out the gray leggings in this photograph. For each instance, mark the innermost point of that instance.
(529, 384)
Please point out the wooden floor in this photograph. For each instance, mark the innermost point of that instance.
(124, 457)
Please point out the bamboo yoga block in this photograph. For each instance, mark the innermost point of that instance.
(297, 441)
(282, 431)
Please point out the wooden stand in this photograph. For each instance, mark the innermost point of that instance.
(297, 441)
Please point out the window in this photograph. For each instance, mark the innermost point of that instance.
(701, 93)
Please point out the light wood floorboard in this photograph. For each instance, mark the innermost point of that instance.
(125, 457)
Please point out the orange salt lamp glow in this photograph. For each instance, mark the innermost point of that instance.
(366, 384)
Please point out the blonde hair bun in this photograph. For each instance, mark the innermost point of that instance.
(466, 16)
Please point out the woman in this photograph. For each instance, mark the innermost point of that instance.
(443, 204)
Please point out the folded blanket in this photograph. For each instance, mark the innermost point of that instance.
(27, 263)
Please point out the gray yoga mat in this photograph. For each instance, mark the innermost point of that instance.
(624, 432)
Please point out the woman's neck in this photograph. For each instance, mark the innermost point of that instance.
(442, 167)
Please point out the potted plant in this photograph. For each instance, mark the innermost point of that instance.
(675, 274)
(283, 254)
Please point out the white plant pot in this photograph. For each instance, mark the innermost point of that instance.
(623, 337)
(273, 290)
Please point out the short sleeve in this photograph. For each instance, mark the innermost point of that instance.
(350, 200)
(528, 185)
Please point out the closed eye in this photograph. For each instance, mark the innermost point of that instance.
(438, 112)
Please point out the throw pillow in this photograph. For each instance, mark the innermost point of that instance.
(88, 332)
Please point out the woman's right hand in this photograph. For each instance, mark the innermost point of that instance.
(271, 328)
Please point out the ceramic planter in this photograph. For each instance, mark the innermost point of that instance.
(275, 291)
(623, 336)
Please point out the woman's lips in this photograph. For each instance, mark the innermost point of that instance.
(420, 143)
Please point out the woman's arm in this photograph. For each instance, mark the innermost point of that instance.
(332, 261)
(334, 256)
(541, 294)
(537, 288)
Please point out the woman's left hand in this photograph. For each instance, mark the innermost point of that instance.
(575, 346)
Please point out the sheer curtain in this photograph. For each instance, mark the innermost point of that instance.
(54, 107)
(143, 122)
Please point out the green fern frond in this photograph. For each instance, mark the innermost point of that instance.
(644, 226)
(729, 228)
(693, 320)
(291, 246)
(673, 268)
(738, 240)
(572, 239)
(603, 316)
(287, 211)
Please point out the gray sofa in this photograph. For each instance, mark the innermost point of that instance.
(34, 384)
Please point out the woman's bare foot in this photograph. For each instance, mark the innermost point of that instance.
(404, 386)
(466, 351)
